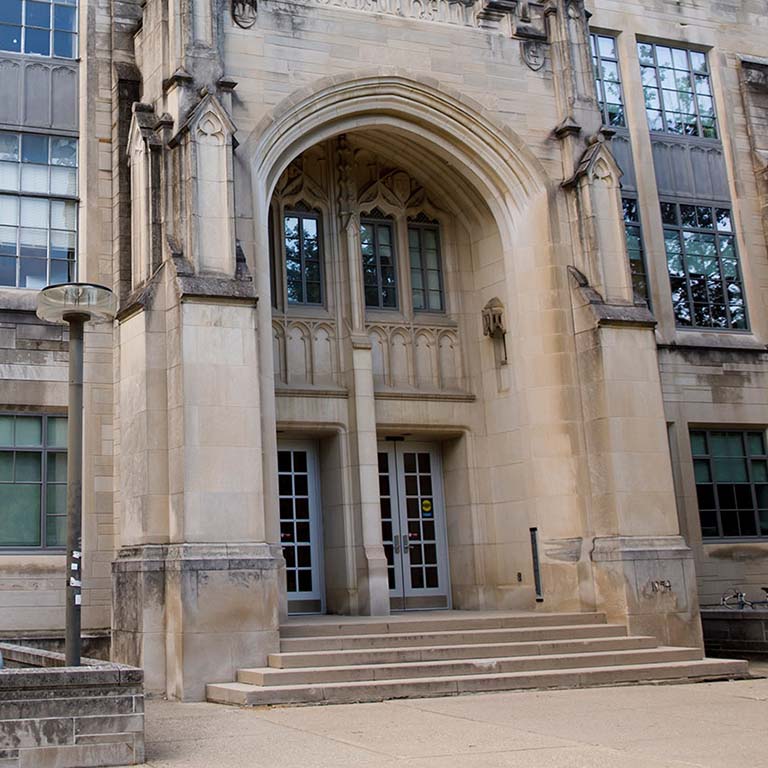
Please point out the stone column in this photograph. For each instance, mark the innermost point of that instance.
(373, 583)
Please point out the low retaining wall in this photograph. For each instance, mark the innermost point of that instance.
(735, 631)
(52, 716)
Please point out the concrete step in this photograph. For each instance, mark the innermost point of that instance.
(245, 694)
(448, 652)
(443, 638)
(431, 622)
(266, 676)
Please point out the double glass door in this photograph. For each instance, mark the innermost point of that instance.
(413, 525)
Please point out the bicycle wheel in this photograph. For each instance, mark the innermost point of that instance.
(732, 599)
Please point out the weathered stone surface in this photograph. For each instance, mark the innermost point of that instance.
(69, 717)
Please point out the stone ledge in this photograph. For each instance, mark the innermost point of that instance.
(614, 548)
(68, 717)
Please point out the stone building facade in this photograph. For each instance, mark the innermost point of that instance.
(423, 305)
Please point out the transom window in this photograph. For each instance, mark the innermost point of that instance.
(731, 469)
(33, 481)
(635, 252)
(42, 27)
(303, 270)
(608, 79)
(703, 266)
(38, 209)
(379, 267)
(426, 272)
(678, 91)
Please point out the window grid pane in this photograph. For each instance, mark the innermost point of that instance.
(303, 262)
(677, 90)
(426, 268)
(731, 471)
(703, 267)
(38, 235)
(605, 63)
(379, 264)
(33, 481)
(635, 251)
(39, 27)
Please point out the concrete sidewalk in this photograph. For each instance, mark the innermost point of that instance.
(713, 725)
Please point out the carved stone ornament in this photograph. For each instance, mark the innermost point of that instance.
(244, 13)
(493, 319)
(534, 54)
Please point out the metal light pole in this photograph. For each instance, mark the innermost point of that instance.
(75, 304)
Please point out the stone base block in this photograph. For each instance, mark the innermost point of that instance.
(196, 613)
(649, 582)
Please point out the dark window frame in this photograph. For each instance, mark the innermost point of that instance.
(597, 60)
(376, 223)
(658, 86)
(716, 508)
(678, 228)
(43, 450)
(421, 227)
(303, 214)
(637, 225)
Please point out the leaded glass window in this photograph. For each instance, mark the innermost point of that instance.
(635, 251)
(40, 27)
(379, 266)
(731, 470)
(605, 61)
(303, 269)
(677, 90)
(38, 209)
(33, 481)
(426, 270)
(703, 266)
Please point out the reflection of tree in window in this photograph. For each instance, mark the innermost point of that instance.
(731, 471)
(607, 79)
(677, 91)
(303, 274)
(634, 240)
(379, 268)
(703, 266)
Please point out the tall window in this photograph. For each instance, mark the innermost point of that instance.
(379, 267)
(42, 27)
(303, 271)
(33, 481)
(731, 469)
(38, 209)
(703, 266)
(605, 61)
(678, 91)
(426, 273)
(634, 238)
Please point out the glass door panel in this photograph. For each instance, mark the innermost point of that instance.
(300, 526)
(413, 525)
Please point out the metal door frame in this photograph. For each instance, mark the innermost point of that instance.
(395, 451)
(315, 523)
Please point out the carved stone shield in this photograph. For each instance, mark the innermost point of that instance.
(244, 13)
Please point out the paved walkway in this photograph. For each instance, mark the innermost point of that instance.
(717, 725)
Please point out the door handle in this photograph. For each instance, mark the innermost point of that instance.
(396, 542)
(406, 542)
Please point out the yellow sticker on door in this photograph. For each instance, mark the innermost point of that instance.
(426, 505)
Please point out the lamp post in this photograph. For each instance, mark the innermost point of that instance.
(75, 304)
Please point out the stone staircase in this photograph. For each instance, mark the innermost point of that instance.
(335, 659)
